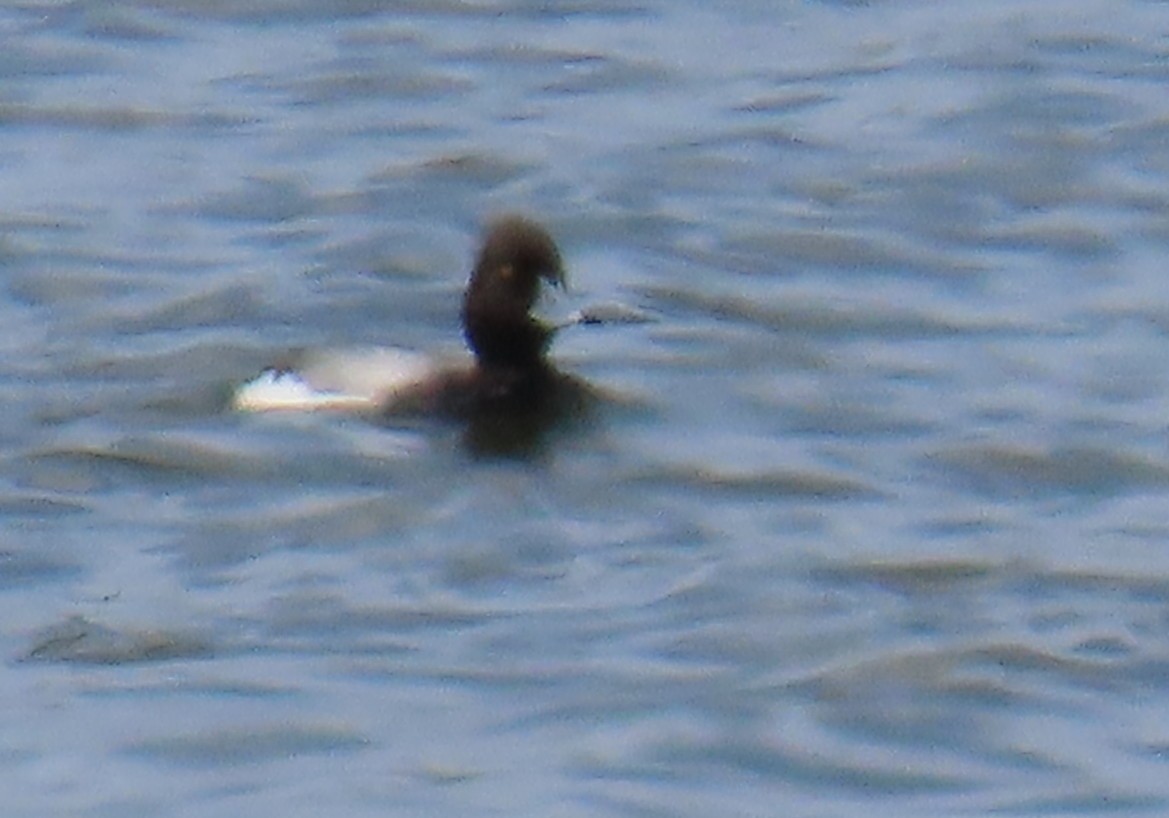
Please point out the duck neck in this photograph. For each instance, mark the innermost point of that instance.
(501, 342)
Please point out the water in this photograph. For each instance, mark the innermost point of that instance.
(874, 515)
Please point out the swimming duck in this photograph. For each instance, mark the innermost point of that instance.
(510, 383)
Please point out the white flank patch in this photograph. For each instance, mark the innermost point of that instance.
(352, 380)
(273, 391)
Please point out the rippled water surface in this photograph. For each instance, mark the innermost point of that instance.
(873, 518)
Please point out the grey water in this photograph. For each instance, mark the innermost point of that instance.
(873, 518)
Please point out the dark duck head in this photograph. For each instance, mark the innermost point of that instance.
(513, 397)
(516, 255)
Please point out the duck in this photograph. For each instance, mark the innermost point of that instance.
(508, 391)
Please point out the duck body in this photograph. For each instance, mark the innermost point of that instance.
(509, 378)
(352, 380)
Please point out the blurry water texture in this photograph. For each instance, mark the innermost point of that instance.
(873, 519)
